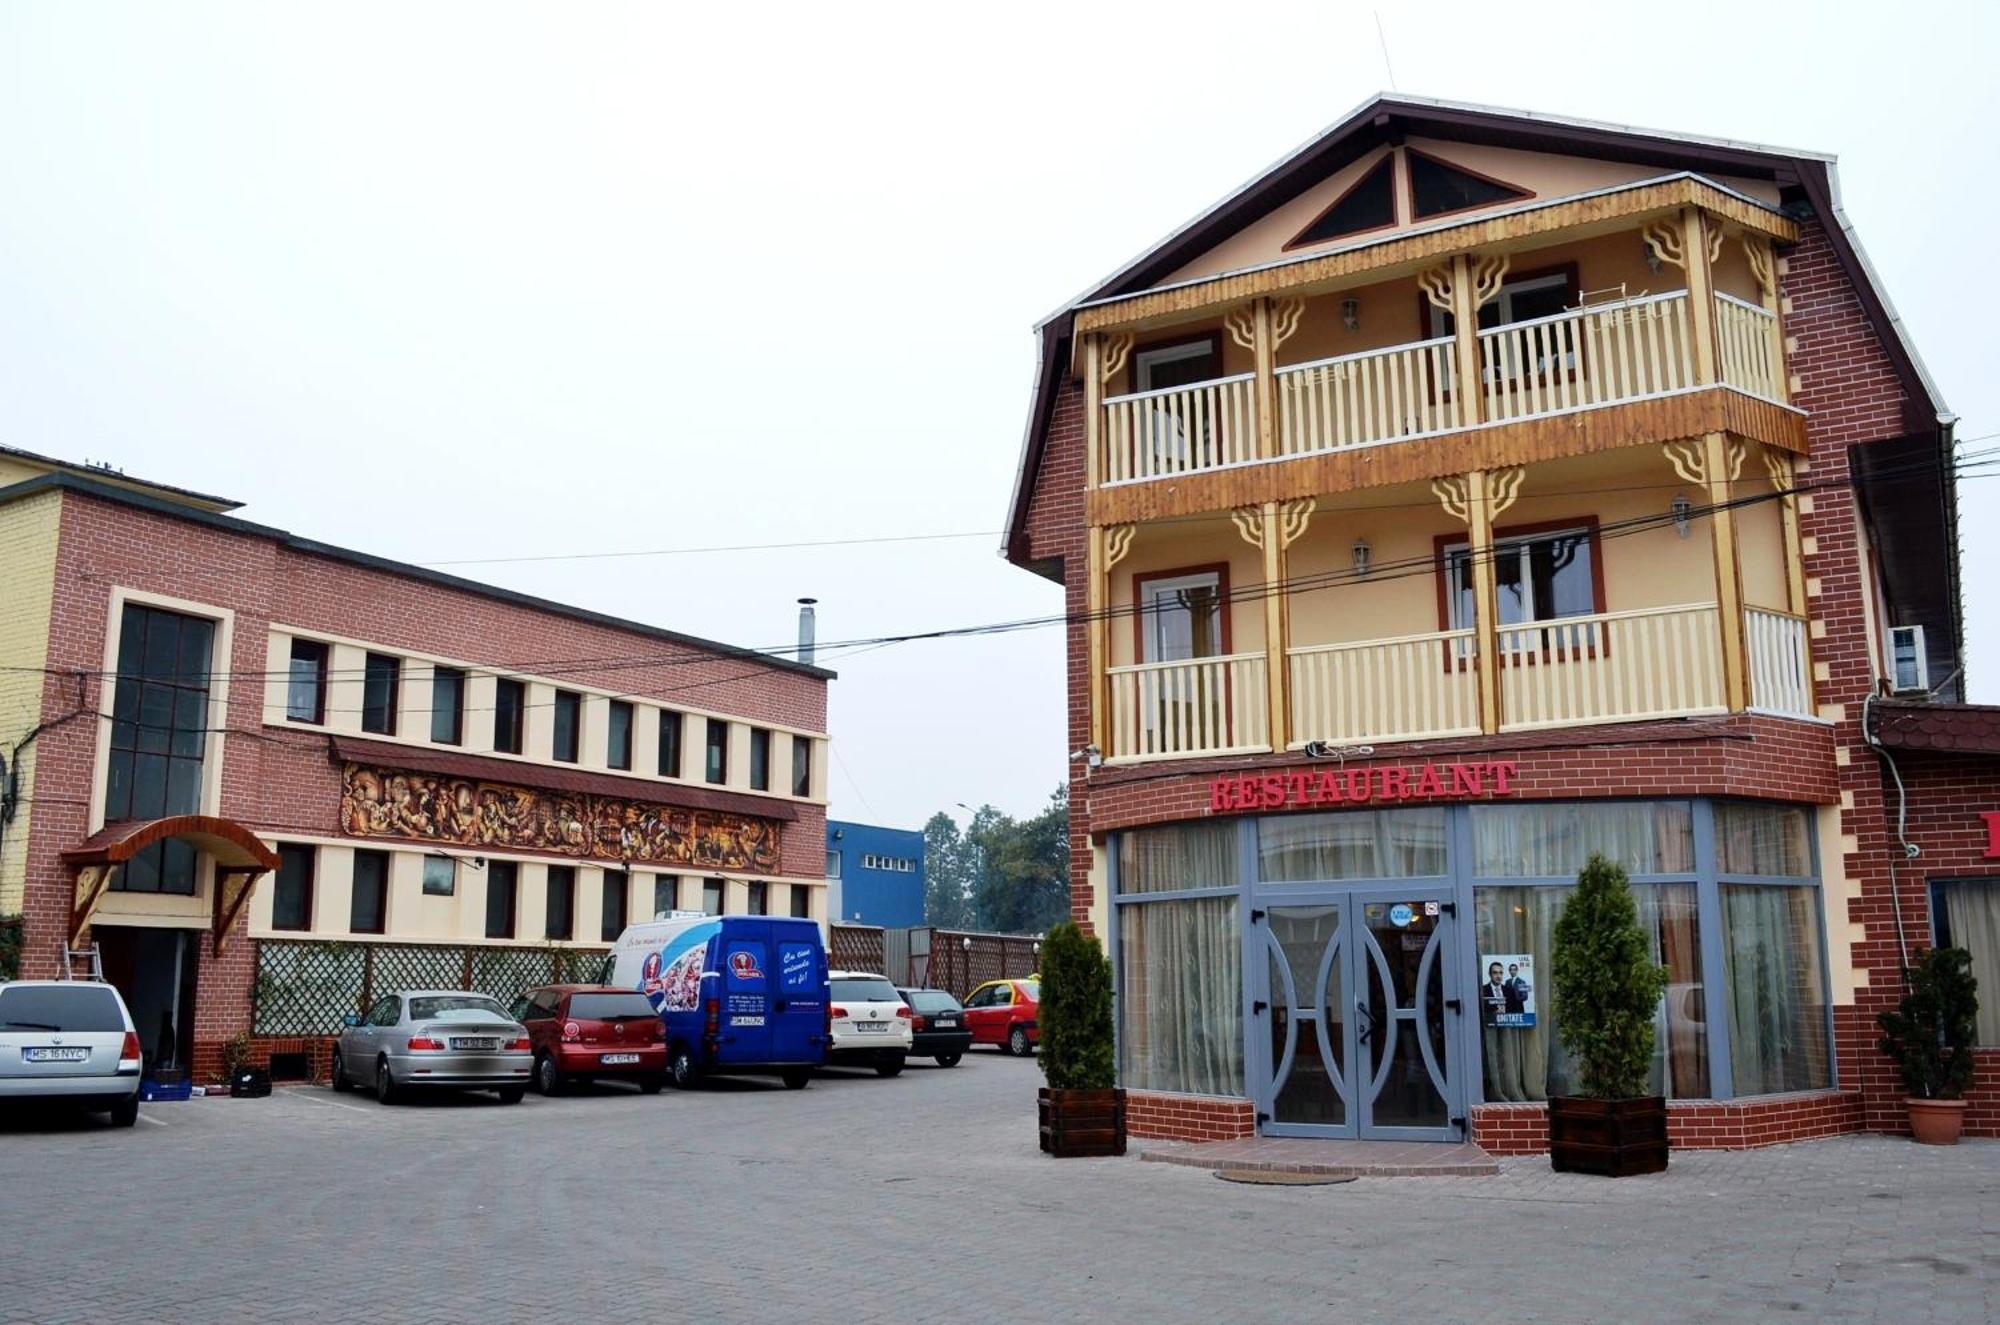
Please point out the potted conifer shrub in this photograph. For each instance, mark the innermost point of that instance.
(1607, 992)
(1082, 1109)
(1930, 1036)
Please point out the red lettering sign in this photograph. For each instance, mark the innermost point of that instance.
(1388, 784)
(1992, 834)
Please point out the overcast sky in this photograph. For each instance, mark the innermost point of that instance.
(488, 280)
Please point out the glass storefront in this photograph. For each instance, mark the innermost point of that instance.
(1248, 951)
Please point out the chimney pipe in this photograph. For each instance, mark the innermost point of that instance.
(806, 629)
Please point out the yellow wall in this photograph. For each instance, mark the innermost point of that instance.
(28, 535)
(1177, 546)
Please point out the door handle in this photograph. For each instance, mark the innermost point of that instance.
(1367, 1021)
(1258, 1007)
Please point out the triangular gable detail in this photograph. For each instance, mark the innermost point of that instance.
(1368, 204)
(1438, 188)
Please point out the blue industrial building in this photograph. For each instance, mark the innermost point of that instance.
(874, 875)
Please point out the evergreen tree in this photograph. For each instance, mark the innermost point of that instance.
(1607, 987)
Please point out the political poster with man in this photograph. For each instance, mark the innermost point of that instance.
(1507, 990)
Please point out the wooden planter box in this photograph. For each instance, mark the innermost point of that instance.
(1611, 1138)
(1082, 1122)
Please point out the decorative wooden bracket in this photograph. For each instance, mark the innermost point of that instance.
(1778, 464)
(1687, 459)
(1242, 324)
(1293, 517)
(91, 881)
(1117, 542)
(1116, 349)
(1454, 492)
(1664, 238)
(1489, 273)
(1285, 315)
(1759, 255)
(1503, 487)
(233, 887)
(1436, 285)
(1249, 523)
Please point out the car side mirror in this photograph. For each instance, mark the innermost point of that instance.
(350, 1020)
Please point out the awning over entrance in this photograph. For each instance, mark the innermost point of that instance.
(239, 856)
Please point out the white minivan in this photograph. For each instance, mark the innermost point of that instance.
(69, 1041)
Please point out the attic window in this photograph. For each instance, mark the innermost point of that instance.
(1438, 187)
(1369, 205)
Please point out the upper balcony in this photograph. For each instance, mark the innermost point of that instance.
(1664, 329)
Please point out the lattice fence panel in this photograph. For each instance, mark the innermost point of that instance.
(305, 988)
(505, 973)
(855, 948)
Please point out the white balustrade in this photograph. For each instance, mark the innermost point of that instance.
(1196, 707)
(1375, 396)
(1657, 663)
(1780, 667)
(1587, 356)
(1746, 344)
(1407, 688)
(1180, 429)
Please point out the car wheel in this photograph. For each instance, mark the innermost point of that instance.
(338, 1074)
(125, 1113)
(651, 1085)
(385, 1084)
(681, 1066)
(1017, 1042)
(948, 1060)
(512, 1094)
(795, 1078)
(548, 1077)
(889, 1068)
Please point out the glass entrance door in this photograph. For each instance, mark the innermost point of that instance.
(1354, 1009)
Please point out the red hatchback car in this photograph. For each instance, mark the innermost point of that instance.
(593, 1032)
(1004, 1012)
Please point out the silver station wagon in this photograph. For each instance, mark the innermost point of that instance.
(424, 1038)
(69, 1041)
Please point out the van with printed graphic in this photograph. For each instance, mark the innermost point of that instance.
(735, 994)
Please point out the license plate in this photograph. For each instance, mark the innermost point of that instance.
(616, 1060)
(746, 1021)
(474, 1042)
(871, 1027)
(947, 1023)
(78, 1054)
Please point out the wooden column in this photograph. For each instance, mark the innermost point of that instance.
(1097, 597)
(1276, 666)
(1718, 467)
(1465, 328)
(1696, 253)
(1764, 266)
(1266, 351)
(1778, 464)
(1093, 410)
(1485, 595)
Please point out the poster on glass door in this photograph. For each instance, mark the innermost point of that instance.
(1507, 990)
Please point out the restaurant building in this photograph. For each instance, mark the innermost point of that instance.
(1471, 492)
(264, 777)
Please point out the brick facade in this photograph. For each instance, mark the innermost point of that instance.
(1188, 1117)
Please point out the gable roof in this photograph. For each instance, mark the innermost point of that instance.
(1806, 178)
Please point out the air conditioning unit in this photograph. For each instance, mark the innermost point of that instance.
(1909, 669)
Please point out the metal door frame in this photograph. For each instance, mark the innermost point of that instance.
(1442, 950)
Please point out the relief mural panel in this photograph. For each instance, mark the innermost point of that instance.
(465, 812)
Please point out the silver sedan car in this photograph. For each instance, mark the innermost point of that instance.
(434, 1037)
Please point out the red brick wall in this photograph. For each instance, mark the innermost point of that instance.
(1523, 1129)
(1188, 1117)
(285, 781)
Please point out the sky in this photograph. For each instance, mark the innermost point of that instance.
(461, 282)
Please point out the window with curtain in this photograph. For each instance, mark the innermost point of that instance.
(1763, 839)
(1965, 913)
(1358, 844)
(1542, 578)
(1555, 840)
(1776, 990)
(1176, 857)
(1181, 991)
(305, 686)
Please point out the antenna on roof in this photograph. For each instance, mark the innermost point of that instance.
(1383, 40)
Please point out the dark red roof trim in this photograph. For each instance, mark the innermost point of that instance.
(1966, 729)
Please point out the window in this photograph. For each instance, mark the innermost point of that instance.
(440, 876)
(1775, 987)
(1180, 968)
(717, 770)
(381, 677)
(617, 887)
(1555, 840)
(503, 880)
(670, 744)
(1763, 839)
(711, 897)
(760, 759)
(447, 705)
(802, 766)
(1907, 660)
(292, 893)
(618, 735)
(833, 864)
(368, 906)
(569, 722)
(801, 902)
(666, 892)
(1965, 913)
(1540, 577)
(159, 739)
(1364, 844)
(510, 705)
(305, 692)
(755, 905)
(1180, 615)
(1523, 299)
(1368, 204)
(559, 913)
(1437, 187)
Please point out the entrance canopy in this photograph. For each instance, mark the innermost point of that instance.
(239, 856)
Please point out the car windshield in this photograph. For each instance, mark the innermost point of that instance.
(1033, 989)
(456, 1007)
(865, 989)
(932, 1000)
(79, 1007)
(607, 1007)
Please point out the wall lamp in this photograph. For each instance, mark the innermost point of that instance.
(1683, 509)
(1350, 314)
(1362, 553)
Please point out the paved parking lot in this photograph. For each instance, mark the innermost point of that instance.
(923, 1198)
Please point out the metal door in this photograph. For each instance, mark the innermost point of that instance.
(1404, 990)
(1302, 1038)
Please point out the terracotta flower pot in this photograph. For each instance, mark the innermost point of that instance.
(1936, 1122)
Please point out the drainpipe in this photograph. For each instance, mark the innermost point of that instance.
(807, 630)
(1910, 849)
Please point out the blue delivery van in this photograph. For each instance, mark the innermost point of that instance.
(737, 994)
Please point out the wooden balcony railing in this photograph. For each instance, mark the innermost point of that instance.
(1587, 356)
(1656, 663)
(1746, 347)
(1181, 429)
(1375, 396)
(1780, 670)
(1202, 706)
(1410, 688)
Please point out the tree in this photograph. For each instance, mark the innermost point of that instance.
(1931, 1032)
(948, 874)
(1607, 986)
(1023, 874)
(1075, 1016)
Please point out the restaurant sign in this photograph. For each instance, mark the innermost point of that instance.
(1387, 784)
(1992, 819)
